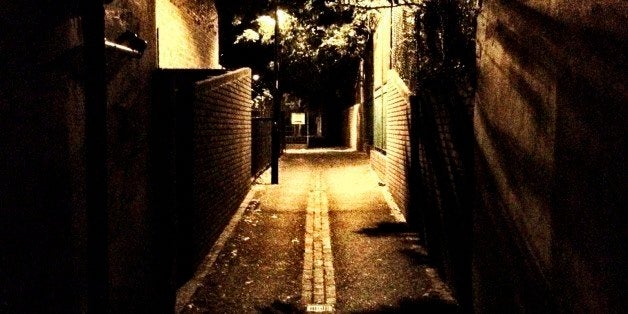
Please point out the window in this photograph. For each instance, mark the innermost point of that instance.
(379, 120)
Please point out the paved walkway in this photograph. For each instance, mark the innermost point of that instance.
(325, 239)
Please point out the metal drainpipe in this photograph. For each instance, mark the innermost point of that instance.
(390, 43)
(95, 150)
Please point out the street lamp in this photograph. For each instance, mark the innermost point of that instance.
(275, 137)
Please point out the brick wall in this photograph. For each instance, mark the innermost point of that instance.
(393, 165)
(550, 143)
(201, 157)
(397, 106)
(426, 147)
(221, 153)
(391, 93)
(43, 168)
(378, 163)
(187, 34)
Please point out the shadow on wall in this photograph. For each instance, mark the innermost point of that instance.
(505, 273)
(550, 133)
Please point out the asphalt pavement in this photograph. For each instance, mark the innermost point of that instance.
(325, 239)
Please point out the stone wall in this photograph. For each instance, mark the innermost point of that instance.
(550, 142)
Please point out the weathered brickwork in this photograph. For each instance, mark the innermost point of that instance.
(391, 105)
(45, 131)
(221, 153)
(393, 165)
(550, 91)
(187, 34)
(378, 163)
(398, 140)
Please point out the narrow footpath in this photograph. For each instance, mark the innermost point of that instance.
(326, 239)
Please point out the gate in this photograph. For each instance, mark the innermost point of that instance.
(443, 135)
(261, 138)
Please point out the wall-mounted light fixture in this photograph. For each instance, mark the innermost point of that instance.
(128, 43)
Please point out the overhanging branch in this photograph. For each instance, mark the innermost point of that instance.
(392, 3)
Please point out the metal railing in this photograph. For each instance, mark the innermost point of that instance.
(261, 133)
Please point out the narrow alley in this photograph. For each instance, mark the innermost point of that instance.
(434, 156)
(324, 239)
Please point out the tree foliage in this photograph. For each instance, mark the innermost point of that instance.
(320, 45)
(446, 49)
(322, 42)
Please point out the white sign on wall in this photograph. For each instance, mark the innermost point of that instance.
(298, 118)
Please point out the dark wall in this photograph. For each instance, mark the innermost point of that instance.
(134, 283)
(44, 161)
(549, 124)
(332, 119)
(46, 118)
(42, 170)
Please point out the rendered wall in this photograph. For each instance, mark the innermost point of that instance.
(351, 127)
(550, 144)
(136, 280)
(187, 34)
